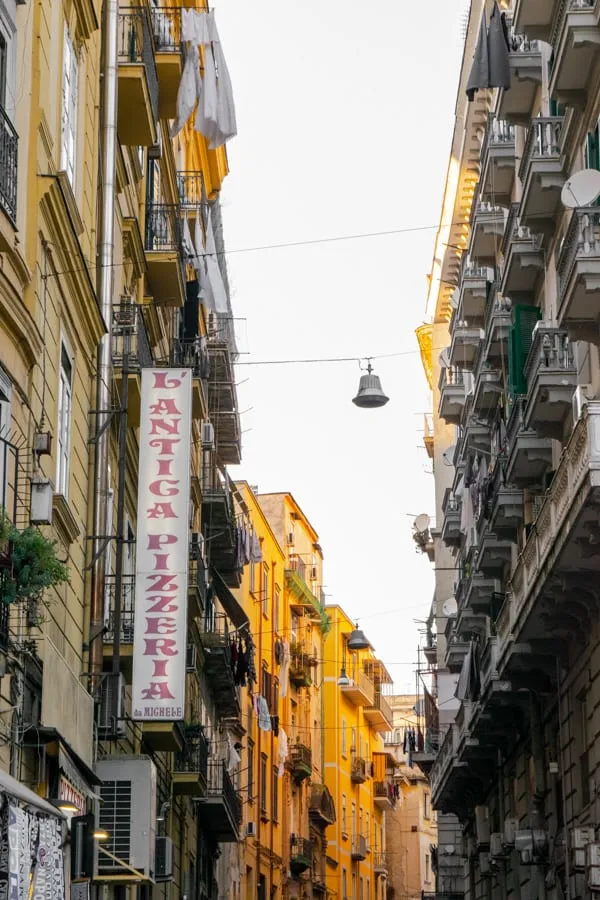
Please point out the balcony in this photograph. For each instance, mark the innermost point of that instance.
(162, 244)
(465, 344)
(301, 854)
(359, 847)
(166, 30)
(216, 635)
(379, 715)
(452, 395)
(525, 60)
(361, 690)
(164, 737)
(497, 325)
(472, 293)
(220, 809)
(523, 259)
(479, 593)
(551, 376)
(451, 508)
(222, 392)
(428, 434)
(193, 354)
(489, 384)
(303, 600)
(360, 769)
(302, 663)
(190, 769)
(576, 42)
(487, 228)
(561, 550)
(497, 162)
(138, 81)
(127, 617)
(493, 553)
(535, 17)
(300, 762)
(529, 456)
(132, 352)
(542, 174)
(218, 524)
(192, 197)
(9, 143)
(578, 271)
(383, 794)
(507, 509)
(321, 807)
(380, 862)
(196, 583)
(455, 654)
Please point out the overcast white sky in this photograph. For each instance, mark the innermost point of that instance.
(345, 113)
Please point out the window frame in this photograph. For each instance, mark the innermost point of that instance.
(265, 590)
(264, 786)
(250, 773)
(275, 795)
(69, 107)
(64, 420)
(344, 739)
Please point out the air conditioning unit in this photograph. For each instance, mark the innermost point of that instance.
(207, 435)
(485, 863)
(496, 845)
(583, 393)
(250, 829)
(128, 796)
(191, 658)
(510, 831)
(163, 859)
(482, 825)
(580, 838)
(111, 711)
(592, 866)
(531, 845)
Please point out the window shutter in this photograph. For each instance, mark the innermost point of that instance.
(519, 345)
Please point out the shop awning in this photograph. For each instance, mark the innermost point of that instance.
(10, 787)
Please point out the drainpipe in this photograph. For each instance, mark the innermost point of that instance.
(537, 810)
(105, 253)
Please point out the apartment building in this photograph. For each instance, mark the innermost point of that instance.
(513, 283)
(103, 306)
(358, 770)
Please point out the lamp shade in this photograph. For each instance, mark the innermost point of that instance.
(357, 640)
(370, 393)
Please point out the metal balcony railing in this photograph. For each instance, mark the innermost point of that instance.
(193, 354)
(135, 46)
(190, 187)
(193, 757)
(166, 28)
(131, 343)
(301, 847)
(163, 227)
(359, 846)
(383, 706)
(9, 143)
(361, 768)
(219, 784)
(126, 600)
(380, 861)
(384, 789)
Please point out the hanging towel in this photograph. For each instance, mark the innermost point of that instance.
(233, 757)
(285, 668)
(282, 754)
(187, 93)
(255, 549)
(207, 112)
(226, 121)
(189, 251)
(264, 717)
(213, 270)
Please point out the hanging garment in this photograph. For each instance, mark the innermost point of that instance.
(213, 270)
(255, 549)
(420, 741)
(251, 664)
(278, 652)
(226, 121)
(285, 668)
(246, 545)
(282, 753)
(187, 93)
(188, 25)
(264, 717)
(480, 70)
(498, 51)
(189, 251)
(233, 757)
(208, 100)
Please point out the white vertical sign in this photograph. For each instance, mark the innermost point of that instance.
(161, 571)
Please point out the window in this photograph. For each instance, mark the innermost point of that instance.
(265, 590)
(294, 629)
(367, 829)
(276, 610)
(68, 136)
(344, 816)
(250, 787)
(275, 796)
(263, 783)
(426, 805)
(6, 461)
(427, 867)
(344, 747)
(360, 821)
(361, 888)
(584, 766)
(344, 885)
(3, 69)
(354, 886)
(353, 740)
(368, 894)
(252, 568)
(353, 819)
(65, 391)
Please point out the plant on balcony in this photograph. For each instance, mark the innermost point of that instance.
(34, 564)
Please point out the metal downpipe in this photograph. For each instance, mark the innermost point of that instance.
(105, 279)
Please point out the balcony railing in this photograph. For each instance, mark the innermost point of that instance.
(582, 241)
(127, 608)
(543, 142)
(192, 354)
(300, 761)
(135, 45)
(163, 228)
(384, 790)
(361, 769)
(359, 847)
(131, 344)
(380, 862)
(220, 785)
(451, 376)
(9, 143)
(190, 187)
(166, 28)
(193, 757)
(301, 854)
(551, 349)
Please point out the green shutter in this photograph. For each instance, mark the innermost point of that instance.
(592, 150)
(520, 339)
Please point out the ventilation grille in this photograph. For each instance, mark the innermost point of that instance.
(115, 818)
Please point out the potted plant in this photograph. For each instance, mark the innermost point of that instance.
(34, 565)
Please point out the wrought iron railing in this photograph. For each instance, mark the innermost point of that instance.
(163, 227)
(193, 354)
(131, 343)
(301, 755)
(359, 846)
(361, 768)
(301, 847)
(193, 756)
(166, 28)
(135, 46)
(9, 143)
(380, 703)
(380, 861)
(190, 189)
(219, 784)
(127, 608)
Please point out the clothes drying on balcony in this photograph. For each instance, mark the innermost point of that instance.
(284, 668)
(491, 68)
(264, 716)
(233, 757)
(469, 680)
(282, 753)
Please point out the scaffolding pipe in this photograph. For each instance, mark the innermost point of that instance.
(105, 254)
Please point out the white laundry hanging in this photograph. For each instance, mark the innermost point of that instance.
(282, 754)
(189, 251)
(205, 290)
(187, 94)
(215, 278)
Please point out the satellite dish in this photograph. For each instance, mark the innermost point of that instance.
(581, 189)
(422, 523)
(449, 607)
(448, 455)
(454, 299)
(445, 358)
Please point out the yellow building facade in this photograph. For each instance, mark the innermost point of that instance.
(358, 770)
